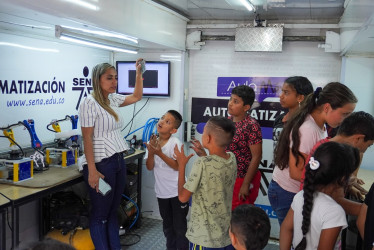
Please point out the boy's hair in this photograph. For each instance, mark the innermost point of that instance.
(300, 84)
(222, 129)
(246, 93)
(251, 226)
(337, 161)
(358, 123)
(334, 93)
(177, 116)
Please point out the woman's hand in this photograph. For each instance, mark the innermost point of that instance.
(138, 89)
(197, 147)
(138, 66)
(93, 179)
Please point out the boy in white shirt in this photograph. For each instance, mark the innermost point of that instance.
(159, 157)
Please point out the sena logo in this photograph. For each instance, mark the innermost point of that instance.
(83, 85)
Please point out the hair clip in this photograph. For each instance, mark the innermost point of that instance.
(314, 164)
(316, 93)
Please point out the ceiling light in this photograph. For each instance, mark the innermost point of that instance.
(70, 36)
(28, 47)
(170, 58)
(248, 5)
(94, 44)
(105, 33)
(83, 4)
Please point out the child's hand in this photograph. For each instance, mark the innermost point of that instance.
(355, 189)
(244, 191)
(152, 145)
(197, 147)
(155, 144)
(180, 157)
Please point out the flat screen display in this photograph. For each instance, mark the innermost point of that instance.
(156, 78)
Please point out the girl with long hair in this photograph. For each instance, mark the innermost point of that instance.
(294, 90)
(305, 128)
(313, 209)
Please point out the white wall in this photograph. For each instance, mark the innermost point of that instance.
(62, 66)
(218, 58)
(155, 108)
(358, 74)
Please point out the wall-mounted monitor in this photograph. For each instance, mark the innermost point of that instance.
(156, 78)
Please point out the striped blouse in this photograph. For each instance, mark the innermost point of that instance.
(107, 137)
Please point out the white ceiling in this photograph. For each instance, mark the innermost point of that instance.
(352, 18)
(286, 11)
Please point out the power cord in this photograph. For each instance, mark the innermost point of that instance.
(130, 238)
(137, 210)
(7, 212)
(137, 236)
(135, 114)
(23, 153)
(132, 120)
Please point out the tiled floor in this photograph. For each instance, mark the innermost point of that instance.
(149, 236)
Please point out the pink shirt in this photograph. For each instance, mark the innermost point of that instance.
(310, 134)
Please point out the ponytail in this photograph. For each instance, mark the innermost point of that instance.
(334, 93)
(281, 153)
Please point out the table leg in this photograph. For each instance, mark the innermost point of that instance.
(13, 226)
(3, 228)
(17, 226)
(40, 214)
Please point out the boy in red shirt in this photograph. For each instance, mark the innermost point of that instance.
(246, 146)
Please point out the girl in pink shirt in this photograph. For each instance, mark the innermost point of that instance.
(329, 105)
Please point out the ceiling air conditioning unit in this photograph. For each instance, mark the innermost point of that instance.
(256, 39)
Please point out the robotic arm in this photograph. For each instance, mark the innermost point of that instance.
(35, 142)
(73, 134)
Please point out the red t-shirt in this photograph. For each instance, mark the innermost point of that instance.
(307, 160)
(247, 132)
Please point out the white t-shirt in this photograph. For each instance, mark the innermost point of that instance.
(166, 178)
(310, 133)
(326, 213)
(107, 136)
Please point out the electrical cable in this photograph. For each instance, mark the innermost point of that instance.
(137, 210)
(135, 114)
(132, 120)
(133, 223)
(7, 212)
(23, 153)
(56, 121)
(134, 131)
(12, 125)
(135, 242)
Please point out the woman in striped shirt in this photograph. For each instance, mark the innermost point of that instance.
(103, 143)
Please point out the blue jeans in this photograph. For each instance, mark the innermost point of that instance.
(104, 226)
(280, 200)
